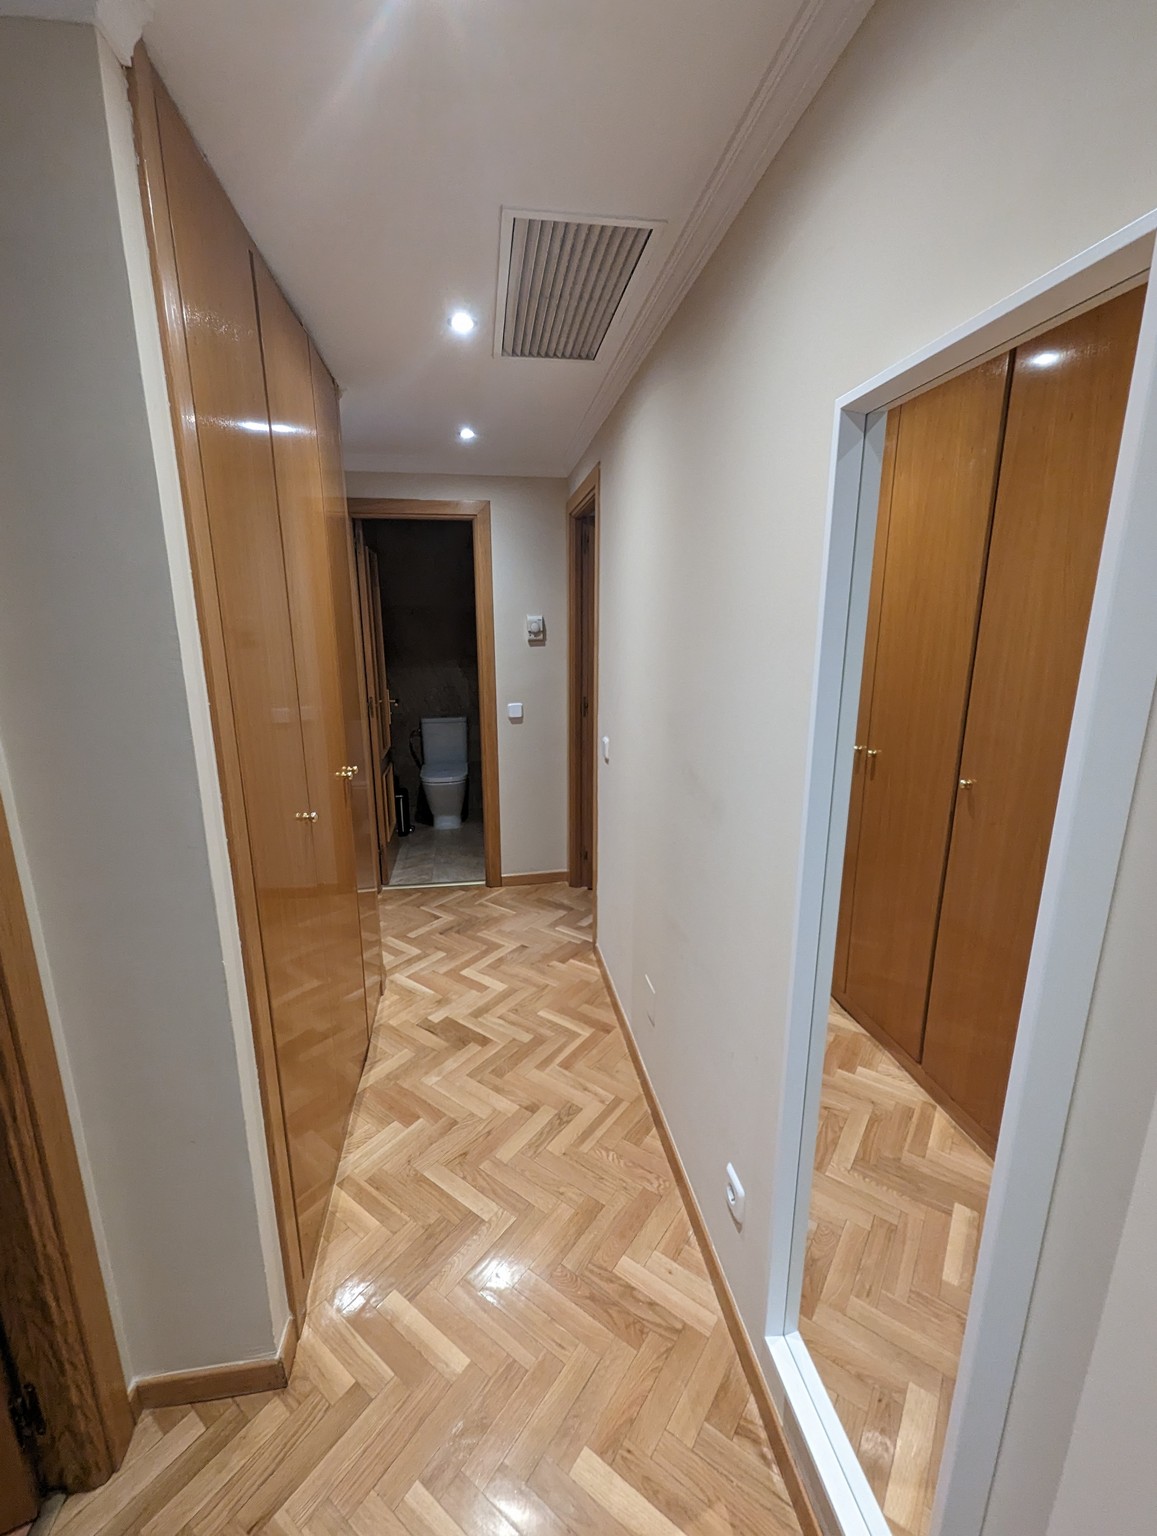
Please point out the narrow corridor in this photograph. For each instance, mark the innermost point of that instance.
(511, 1329)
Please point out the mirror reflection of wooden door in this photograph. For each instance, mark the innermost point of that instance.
(1065, 416)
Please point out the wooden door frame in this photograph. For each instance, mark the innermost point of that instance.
(582, 502)
(1110, 719)
(477, 514)
(61, 1335)
(370, 698)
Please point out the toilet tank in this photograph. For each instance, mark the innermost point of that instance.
(444, 739)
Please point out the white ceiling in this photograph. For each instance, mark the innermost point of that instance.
(370, 146)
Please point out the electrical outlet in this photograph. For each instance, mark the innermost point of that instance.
(736, 1199)
(649, 995)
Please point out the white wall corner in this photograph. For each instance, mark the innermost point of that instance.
(120, 22)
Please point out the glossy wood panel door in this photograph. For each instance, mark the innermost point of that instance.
(212, 256)
(946, 455)
(343, 578)
(301, 505)
(1066, 411)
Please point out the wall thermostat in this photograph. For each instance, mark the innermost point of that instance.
(535, 628)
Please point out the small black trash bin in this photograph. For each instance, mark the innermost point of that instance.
(402, 810)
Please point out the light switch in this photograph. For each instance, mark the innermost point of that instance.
(514, 712)
(606, 749)
(535, 628)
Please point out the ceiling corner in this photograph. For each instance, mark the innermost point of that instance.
(122, 23)
(820, 32)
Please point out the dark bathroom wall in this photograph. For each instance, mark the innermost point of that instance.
(427, 590)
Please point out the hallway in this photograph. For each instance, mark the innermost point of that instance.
(511, 1330)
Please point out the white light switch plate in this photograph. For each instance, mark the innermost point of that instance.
(736, 1199)
(606, 749)
(514, 712)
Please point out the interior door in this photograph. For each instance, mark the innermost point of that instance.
(235, 443)
(297, 470)
(1065, 415)
(947, 450)
(342, 576)
(585, 533)
(382, 697)
(370, 686)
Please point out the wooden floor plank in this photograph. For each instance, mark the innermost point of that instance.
(897, 1207)
(510, 1332)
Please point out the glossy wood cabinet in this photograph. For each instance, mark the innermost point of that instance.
(994, 494)
(259, 447)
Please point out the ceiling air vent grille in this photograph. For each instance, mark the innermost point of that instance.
(566, 281)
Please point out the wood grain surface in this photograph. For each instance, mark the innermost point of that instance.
(898, 1199)
(511, 1329)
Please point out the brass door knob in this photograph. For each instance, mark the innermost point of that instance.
(967, 783)
(306, 815)
(858, 748)
(350, 771)
(873, 751)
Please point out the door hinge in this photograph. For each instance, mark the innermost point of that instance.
(27, 1414)
(586, 707)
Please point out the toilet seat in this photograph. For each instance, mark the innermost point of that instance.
(444, 773)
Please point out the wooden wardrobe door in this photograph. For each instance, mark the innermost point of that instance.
(297, 469)
(946, 455)
(342, 577)
(1065, 414)
(864, 713)
(228, 383)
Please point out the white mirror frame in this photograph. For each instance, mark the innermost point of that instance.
(1113, 702)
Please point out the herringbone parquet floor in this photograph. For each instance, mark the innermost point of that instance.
(898, 1199)
(511, 1331)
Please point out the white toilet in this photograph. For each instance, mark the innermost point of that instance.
(444, 768)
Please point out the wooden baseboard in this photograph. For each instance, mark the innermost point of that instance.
(806, 1515)
(549, 877)
(182, 1387)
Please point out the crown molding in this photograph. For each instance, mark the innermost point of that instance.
(120, 22)
(820, 32)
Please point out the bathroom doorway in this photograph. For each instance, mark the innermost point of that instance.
(426, 599)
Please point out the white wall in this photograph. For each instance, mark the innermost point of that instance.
(528, 539)
(960, 149)
(108, 773)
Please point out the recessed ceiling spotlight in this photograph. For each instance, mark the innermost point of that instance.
(467, 434)
(462, 322)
